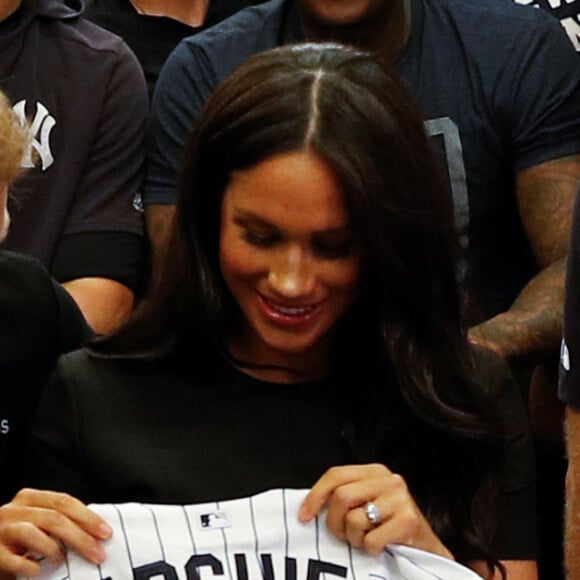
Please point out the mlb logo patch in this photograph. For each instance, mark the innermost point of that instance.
(213, 521)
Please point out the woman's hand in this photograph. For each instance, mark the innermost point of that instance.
(347, 490)
(38, 522)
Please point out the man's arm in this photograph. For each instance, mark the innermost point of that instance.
(158, 222)
(532, 327)
(105, 303)
(572, 537)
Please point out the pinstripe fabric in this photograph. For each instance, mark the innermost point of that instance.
(254, 538)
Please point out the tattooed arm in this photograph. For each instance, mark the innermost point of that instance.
(532, 327)
(158, 220)
(572, 544)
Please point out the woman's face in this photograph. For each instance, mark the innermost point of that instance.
(288, 256)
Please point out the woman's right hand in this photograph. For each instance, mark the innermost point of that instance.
(36, 523)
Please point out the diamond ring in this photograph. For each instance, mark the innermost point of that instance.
(373, 513)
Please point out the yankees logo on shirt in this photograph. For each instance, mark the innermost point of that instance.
(255, 538)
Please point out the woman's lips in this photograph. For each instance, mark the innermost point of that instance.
(288, 315)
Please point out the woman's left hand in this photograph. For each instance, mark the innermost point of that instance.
(347, 490)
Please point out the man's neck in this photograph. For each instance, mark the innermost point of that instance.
(8, 7)
(384, 33)
(191, 12)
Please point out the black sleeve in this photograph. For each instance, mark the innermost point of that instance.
(119, 256)
(74, 330)
(516, 534)
(54, 460)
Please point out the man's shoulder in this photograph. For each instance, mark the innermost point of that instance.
(59, 23)
(492, 15)
(27, 290)
(84, 37)
(29, 307)
(247, 32)
(500, 38)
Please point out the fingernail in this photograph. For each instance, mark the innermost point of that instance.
(303, 514)
(98, 555)
(104, 531)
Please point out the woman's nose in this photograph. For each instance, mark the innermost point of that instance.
(292, 275)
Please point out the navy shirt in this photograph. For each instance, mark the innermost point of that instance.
(567, 11)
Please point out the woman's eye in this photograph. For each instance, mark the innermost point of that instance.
(335, 249)
(262, 239)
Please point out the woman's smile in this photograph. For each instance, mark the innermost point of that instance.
(288, 256)
(290, 315)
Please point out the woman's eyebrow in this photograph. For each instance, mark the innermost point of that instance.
(245, 217)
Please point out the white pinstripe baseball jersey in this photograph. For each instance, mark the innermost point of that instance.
(255, 538)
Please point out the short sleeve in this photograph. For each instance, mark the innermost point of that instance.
(544, 108)
(107, 197)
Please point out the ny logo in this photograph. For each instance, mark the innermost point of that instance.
(40, 128)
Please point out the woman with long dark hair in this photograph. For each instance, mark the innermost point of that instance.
(306, 332)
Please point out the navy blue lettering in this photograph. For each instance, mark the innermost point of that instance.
(195, 562)
(317, 567)
(290, 568)
(159, 568)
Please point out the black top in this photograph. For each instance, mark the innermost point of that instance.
(39, 322)
(115, 432)
(152, 38)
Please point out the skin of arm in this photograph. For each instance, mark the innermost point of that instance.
(531, 329)
(572, 534)
(105, 303)
(158, 221)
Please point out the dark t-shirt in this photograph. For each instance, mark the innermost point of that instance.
(152, 38)
(84, 94)
(39, 322)
(567, 11)
(512, 102)
(115, 432)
